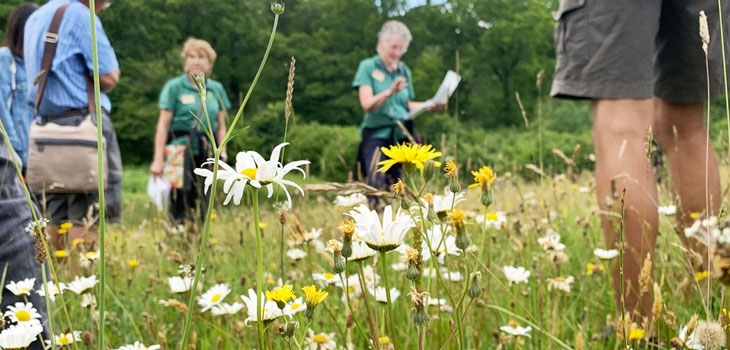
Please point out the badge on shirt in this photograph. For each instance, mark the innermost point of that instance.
(187, 99)
(378, 75)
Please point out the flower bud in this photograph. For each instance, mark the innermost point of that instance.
(339, 264)
(420, 317)
(487, 198)
(429, 170)
(455, 186)
(412, 273)
(278, 7)
(462, 238)
(474, 291)
(346, 247)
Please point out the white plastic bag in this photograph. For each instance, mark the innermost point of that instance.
(159, 191)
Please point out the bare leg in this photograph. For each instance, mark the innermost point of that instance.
(680, 129)
(620, 129)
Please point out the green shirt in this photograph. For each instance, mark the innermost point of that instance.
(182, 98)
(372, 72)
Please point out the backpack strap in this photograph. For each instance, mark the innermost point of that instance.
(49, 50)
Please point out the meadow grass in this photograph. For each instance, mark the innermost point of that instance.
(142, 255)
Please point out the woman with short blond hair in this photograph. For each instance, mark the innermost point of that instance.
(179, 101)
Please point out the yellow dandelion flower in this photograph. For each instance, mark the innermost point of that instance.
(281, 295)
(694, 215)
(75, 243)
(699, 276)
(450, 169)
(399, 188)
(384, 340)
(132, 263)
(213, 216)
(64, 227)
(428, 197)
(313, 296)
(410, 155)
(60, 253)
(484, 177)
(457, 217)
(273, 266)
(347, 227)
(262, 225)
(636, 334)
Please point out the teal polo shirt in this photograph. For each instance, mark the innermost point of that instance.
(181, 97)
(372, 72)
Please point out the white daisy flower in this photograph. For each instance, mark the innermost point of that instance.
(326, 278)
(429, 272)
(82, 285)
(53, 290)
(320, 341)
(380, 294)
(384, 236)
(668, 210)
(516, 274)
(179, 285)
(226, 309)
(453, 276)
(605, 254)
(64, 339)
(21, 287)
(295, 306)
(296, 254)
(139, 346)
(361, 251)
(560, 283)
(20, 336)
(23, 313)
(311, 235)
(551, 241)
(350, 201)
(690, 340)
(448, 201)
(431, 301)
(514, 329)
(213, 296)
(253, 169)
(440, 243)
(269, 312)
(88, 300)
(493, 219)
(399, 266)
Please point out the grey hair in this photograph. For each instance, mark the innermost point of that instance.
(392, 28)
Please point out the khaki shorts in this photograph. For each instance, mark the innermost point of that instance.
(636, 49)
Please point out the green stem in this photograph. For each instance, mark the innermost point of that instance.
(391, 320)
(345, 282)
(201, 252)
(281, 254)
(371, 320)
(259, 269)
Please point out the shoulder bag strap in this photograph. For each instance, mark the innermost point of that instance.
(13, 70)
(49, 49)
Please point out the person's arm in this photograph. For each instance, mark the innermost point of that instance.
(107, 82)
(163, 128)
(221, 133)
(371, 102)
(416, 105)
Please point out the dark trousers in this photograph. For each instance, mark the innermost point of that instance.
(17, 248)
(186, 201)
(369, 156)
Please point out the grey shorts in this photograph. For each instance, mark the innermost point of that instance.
(636, 49)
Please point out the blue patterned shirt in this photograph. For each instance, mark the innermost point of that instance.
(15, 112)
(72, 62)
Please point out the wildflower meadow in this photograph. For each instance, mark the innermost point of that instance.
(454, 257)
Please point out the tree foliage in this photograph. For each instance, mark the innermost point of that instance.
(498, 46)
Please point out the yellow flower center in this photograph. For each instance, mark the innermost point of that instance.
(296, 306)
(250, 172)
(64, 340)
(320, 339)
(215, 298)
(492, 216)
(384, 340)
(329, 276)
(22, 315)
(60, 253)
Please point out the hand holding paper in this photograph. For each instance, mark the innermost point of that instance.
(448, 86)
